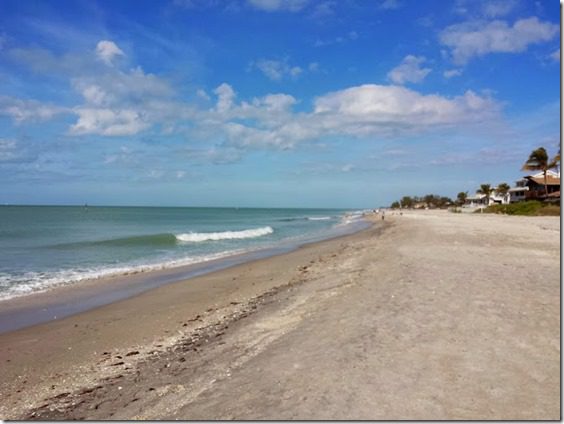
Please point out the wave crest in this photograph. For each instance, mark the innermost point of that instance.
(224, 235)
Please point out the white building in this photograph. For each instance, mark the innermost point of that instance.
(519, 192)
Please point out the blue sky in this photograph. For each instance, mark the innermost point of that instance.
(274, 103)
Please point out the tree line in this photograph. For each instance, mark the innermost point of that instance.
(538, 160)
(429, 200)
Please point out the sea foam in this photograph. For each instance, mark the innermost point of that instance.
(224, 235)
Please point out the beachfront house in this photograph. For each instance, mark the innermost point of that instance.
(532, 187)
(479, 200)
(499, 199)
(519, 192)
(475, 201)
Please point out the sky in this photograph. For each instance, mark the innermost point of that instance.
(272, 103)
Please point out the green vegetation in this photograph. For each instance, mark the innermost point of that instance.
(487, 190)
(431, 201)
(502, 189)
(538, 161)
(461, 198)
(530, 208)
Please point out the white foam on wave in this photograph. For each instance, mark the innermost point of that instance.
(351, 217)
(33, 282)
(224, 235)
(318, 218)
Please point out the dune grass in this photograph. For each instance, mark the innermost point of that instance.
(529, 208)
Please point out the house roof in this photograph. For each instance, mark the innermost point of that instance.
(550, 180)
(514, 189)
(549, 172)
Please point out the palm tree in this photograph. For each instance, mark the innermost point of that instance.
(487, 190)
(502, 189)
(538, 161)
(461, 197)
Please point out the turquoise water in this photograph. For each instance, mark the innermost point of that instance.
(46, 246)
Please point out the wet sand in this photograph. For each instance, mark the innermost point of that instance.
(429, 315)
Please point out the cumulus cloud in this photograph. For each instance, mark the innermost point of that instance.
(478, 38)
(225, 97)
(555, 55)
(361, 111)
(108, 122)
(122, 103)
(276, 70)
(278, 5)
(374, 108)
(409, 70)
(107, 50)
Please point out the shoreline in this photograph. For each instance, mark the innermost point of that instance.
(65, 300)
(35, 356)
(428, 315)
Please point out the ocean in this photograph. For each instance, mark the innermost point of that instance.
(46, 246)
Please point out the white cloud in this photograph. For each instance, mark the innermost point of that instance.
(121, 88)
(8, 151)
(390, 5)
(409, 70)
(14, 152)
(109, 122)
(496, 8)
(275, 102)
(276, 70)
(479, 38)
(196, 4)
(341, 39)
(123, 103)
(362, 111)
(368, 108)
(21, 110)
(225, 97)
(313, 67)
(555, 55)
(202, 94)
(217, 155)
(325, 9)
(452, 73)
(107, 51)
(94, 94)
(278, 5)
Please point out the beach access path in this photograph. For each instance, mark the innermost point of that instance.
(427, 315)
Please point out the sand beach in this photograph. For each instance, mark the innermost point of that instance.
(429, 315)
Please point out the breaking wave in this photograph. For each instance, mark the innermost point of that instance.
(224, 235)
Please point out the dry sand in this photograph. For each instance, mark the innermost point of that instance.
(429, 315)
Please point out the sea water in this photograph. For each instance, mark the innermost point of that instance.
(45, 246)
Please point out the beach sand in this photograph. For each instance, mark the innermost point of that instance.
(428, 315)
